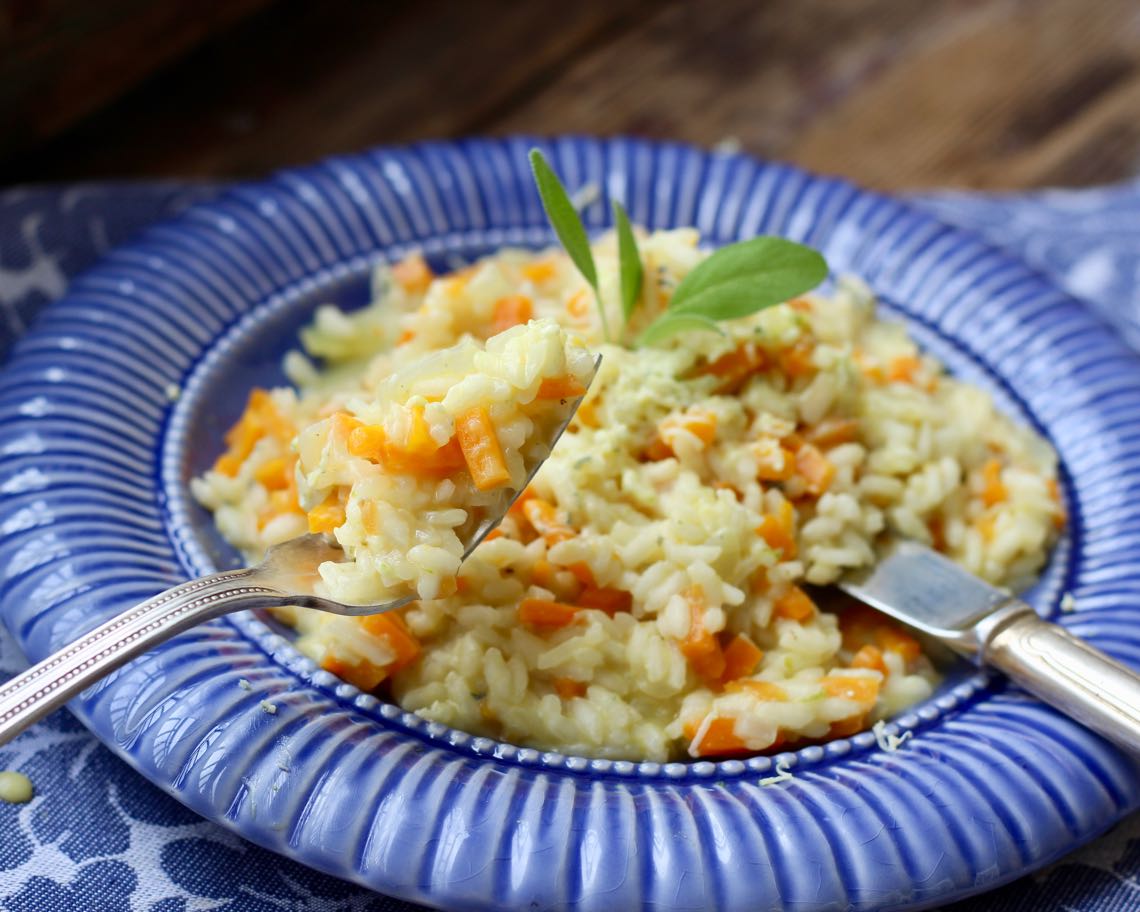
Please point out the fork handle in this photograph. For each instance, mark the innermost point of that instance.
(45, 687)
(1069, 674)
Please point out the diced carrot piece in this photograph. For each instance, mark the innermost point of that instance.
(405, 337)
(1059, 517)
(539, 271)
(794, 605)
(542, 573)
(735, 367)
(894, 640)
(803, 305)
(481, 449)
(341, 426)
(367, 441)
(579, 305)
(718, 739)
(796, 359)
(394, 629)
(869, 657)
(275, 474)
(582, 573)
(606, 598)
(369, 518)
(762, 690)
(568, 688)
(774, 462)
(779, 530)
(701, 423)
(861, 690)
(511, 311)
(993, 490)
(847, 727)
(536, 612)
(413, 273)
(462, 585)
(420, 440)
(741, 656)
(260, 419)
(657, 450)
(857, 623)
(868, 366)
(700, 646)
(543, 517)
(816, 469)
(327, 516)
(364, 675)
(833, 431)
(560, 388)
(903, 369)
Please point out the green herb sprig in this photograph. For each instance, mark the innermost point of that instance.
(732, 282)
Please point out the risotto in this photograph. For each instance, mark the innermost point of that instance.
(644, 597)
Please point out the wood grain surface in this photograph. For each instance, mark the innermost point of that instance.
(895, 94)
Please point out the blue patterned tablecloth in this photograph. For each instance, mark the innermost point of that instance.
(98, 838)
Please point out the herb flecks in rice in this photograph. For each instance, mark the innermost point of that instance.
(643, 601)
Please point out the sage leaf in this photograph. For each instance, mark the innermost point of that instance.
(742, 278)
(629, 261)
(564, 218)
(670, 323)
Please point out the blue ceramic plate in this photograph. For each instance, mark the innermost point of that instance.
(94, 516)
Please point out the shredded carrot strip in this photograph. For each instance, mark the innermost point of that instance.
(536, 612)
(861, 690)
(481, 449)
(413, 273)
(328, 515)
(762, 690)
(741, 656)
(993, 489)
(511, 311)
(816, 469)
(568, 688)
(606, 598)
(560, 388)
(794, 605)
(869, 657)
(833, 431)
(719, 738)
(394, 629)
(779, 530)
(700, 646)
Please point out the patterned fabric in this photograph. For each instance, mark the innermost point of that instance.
(98, 838)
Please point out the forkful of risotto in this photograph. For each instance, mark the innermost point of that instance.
(398, 485)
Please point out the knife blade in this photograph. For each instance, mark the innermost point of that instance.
(931, 593)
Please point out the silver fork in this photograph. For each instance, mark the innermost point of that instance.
(287, 576)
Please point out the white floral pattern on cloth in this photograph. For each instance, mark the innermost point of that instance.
(99, 838)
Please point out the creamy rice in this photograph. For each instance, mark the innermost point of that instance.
(643, 599)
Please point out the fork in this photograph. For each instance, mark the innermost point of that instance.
(288, 575)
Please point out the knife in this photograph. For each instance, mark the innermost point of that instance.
(931, 593)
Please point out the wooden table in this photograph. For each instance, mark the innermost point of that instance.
(895, 94)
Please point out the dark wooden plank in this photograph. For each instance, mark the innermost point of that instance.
(63, 59)
(309, 79)
(891, 93)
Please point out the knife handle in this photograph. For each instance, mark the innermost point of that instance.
(1069, 674)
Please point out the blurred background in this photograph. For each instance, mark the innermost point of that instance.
(896, 94)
